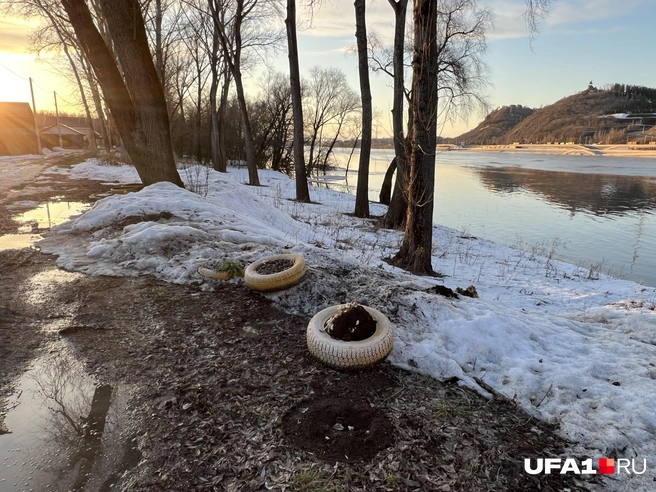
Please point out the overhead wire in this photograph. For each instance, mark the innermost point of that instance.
(10, 70)
(47, 91)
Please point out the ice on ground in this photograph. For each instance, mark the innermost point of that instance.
(567, 345)
(17, 170)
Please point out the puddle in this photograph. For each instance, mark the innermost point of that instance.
(18, 241)
(44, 216)
(67, 431)
(50, 214)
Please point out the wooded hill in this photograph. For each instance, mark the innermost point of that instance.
(572, 119)
(496, 125)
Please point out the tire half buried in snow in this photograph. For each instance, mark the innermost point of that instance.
(354, 354)
(275, 281)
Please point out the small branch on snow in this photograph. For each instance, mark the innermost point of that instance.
(545, 395)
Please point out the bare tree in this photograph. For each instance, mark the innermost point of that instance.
(198, 29)
(416, 249)
(462, 75)
(536, 10)
(137, 101)
(329, 102)
(395, 216)
(362, 192)
(180, 84)
(231, 39)
(97, 100)
(461, 80)
(273, 121)
(217, 112)
(302, 190)
(155, 18)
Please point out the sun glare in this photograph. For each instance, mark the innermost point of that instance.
(13, 86)
(15, 73)
(18, 65)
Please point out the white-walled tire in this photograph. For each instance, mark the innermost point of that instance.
(349, 355)
(215, 274)
(275, 281)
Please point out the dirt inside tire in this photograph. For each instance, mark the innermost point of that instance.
(338, 429)
(351, 325)
(274, 266)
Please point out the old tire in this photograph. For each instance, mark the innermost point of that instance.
(275, 281)
(215, 274)
(349, 355)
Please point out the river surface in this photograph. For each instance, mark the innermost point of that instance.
(594, 210)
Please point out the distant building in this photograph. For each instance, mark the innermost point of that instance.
(70, 137)
(17, 135)
(77, 123)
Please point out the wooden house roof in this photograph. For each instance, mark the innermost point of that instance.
(65, 130)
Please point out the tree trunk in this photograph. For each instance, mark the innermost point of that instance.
(386, 187)
(199, 120)
(214, 110)
(83, 96)
(253, 178)
(331, 146)
(302, 189)
(233, 60)
(313, 143)
(159, 55)
(91, 442)
(137, 104)
(362, 192)
(396, 213)
(416, 249)
(97, 101)
(217, 111)
(223, 111)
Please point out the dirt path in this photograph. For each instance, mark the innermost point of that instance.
(223, 395)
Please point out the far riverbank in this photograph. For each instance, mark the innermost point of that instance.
(624, 150)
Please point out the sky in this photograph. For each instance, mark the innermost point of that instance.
(603, 41)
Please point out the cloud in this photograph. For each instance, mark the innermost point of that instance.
(14, 35)
(337, 19)
(582, 11)
(508, 19)
(509, 15)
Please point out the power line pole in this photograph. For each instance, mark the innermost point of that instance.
(61, 145)
(36, 125)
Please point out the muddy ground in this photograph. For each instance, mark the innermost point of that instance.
(223, 394)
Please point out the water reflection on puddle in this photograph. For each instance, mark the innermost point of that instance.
(65, 430)
(44, 216)
(18, 241)
(51, 214)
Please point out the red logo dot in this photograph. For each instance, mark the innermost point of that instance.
(606, 466)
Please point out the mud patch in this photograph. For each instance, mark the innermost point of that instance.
(338, 429)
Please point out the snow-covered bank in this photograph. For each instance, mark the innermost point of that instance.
(566, 347)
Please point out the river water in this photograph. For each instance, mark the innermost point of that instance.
(594, 210)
